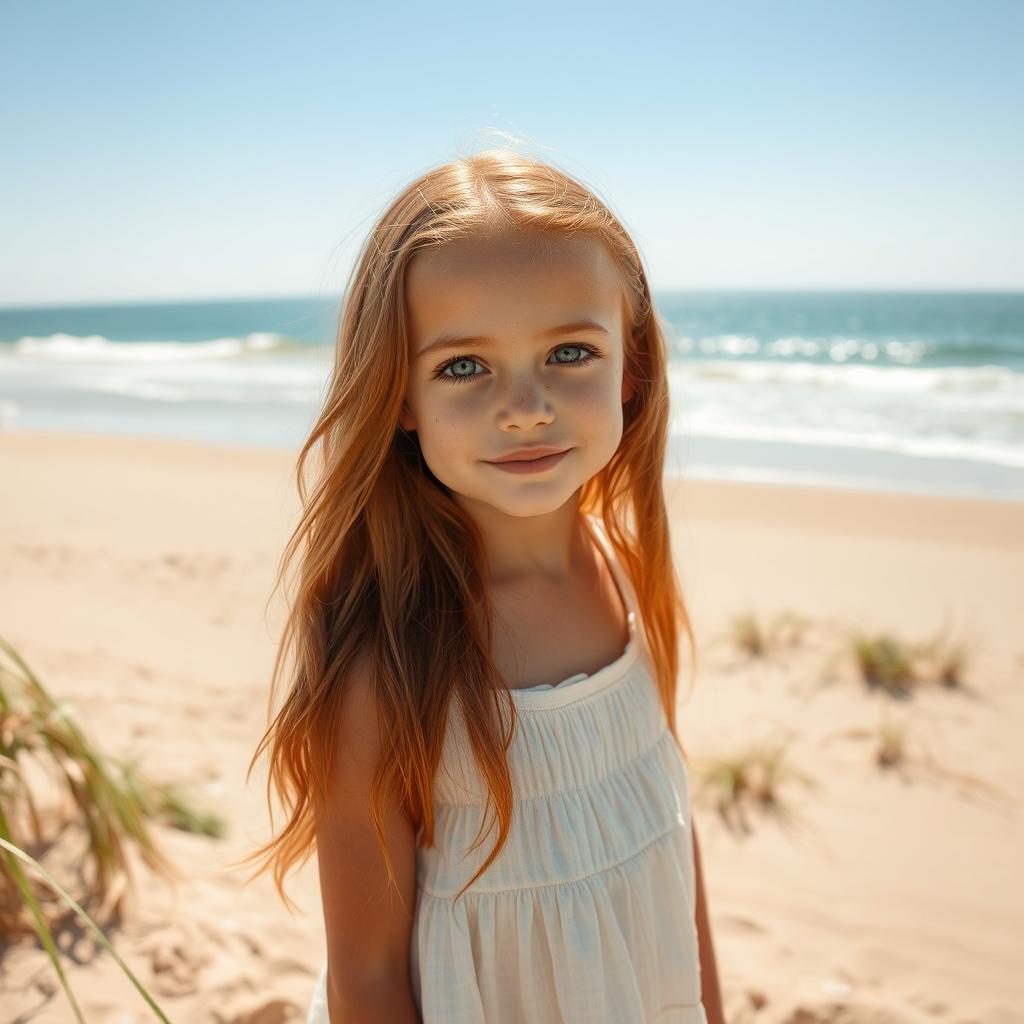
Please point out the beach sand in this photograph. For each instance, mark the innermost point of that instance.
(135, 576)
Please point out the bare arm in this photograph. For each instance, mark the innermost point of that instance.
(368, 930)
(711, 993)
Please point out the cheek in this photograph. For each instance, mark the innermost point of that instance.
(449, 415)
(599, 400)
(602, 421)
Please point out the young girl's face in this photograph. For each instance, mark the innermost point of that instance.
(514, 382)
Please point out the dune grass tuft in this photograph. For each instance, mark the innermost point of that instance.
(111, 799)
(885, 662)
(751, 776)
(756, 639)
(946, 660)
(899, 667)
(891, 749)
(46, 937)
(748, 634)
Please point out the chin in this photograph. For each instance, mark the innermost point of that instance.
(526, 505)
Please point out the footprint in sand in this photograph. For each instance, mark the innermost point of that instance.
(265, 1010)
(177, 958)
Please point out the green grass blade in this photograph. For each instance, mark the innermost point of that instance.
(38, 921)
(92, 926)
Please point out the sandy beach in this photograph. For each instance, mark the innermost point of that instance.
(135, 576)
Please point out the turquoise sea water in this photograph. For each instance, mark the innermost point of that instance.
(879, 390)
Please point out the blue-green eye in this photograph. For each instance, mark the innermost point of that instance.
(440, 374)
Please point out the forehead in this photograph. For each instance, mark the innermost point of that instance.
(518, 283)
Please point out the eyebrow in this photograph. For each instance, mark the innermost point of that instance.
(456, 341)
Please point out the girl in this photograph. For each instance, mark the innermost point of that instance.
(485, 630)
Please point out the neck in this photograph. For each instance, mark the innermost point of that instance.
(518, 549)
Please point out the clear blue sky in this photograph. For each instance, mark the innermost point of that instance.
(186, 150)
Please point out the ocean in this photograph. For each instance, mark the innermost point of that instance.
(911, 392)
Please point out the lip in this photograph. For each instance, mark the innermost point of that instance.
(534, 465)
(529, 454)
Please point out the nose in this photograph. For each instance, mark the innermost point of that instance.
(525, 406)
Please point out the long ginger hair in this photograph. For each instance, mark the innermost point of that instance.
(387, 561)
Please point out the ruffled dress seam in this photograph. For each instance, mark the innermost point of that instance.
(612, 773)
(562, 882)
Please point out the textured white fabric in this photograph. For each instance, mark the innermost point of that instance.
(587, 914)
(565, 682)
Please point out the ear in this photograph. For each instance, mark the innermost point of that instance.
(405, 418)
(627, 391)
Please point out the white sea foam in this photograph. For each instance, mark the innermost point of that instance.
(855, 376)
(974, 413)
(96, 348)
(838, 348)
(971, 413)
(922, 447)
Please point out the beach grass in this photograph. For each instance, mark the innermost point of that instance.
(891, 744)
(112, 800)
(751, 776)
(758, 636)
(899, 667)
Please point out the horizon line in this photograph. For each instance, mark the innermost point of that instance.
(676, 289)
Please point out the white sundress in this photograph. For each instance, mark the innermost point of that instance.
(588, 912)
